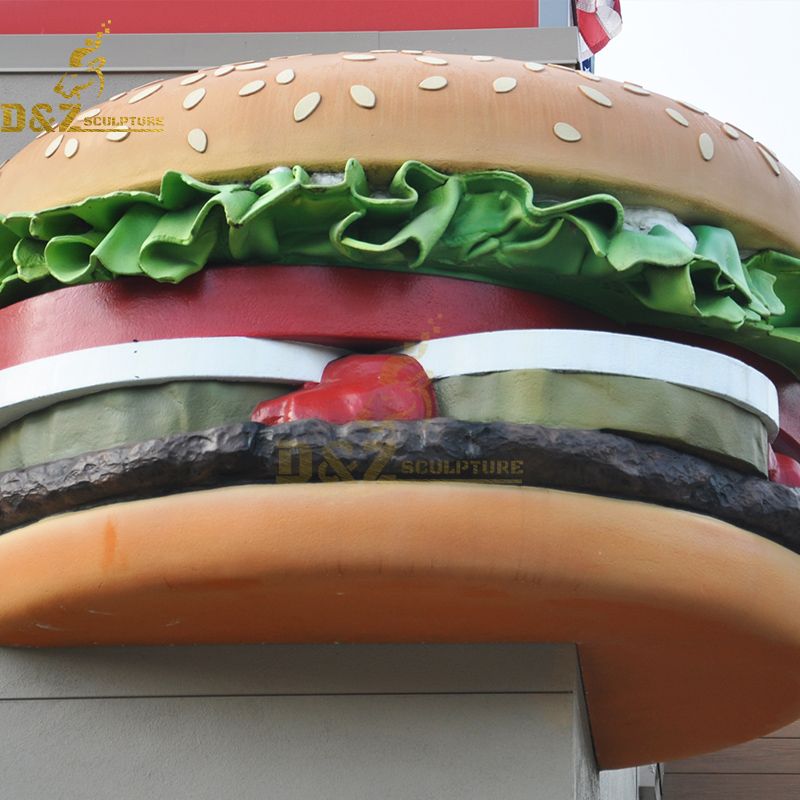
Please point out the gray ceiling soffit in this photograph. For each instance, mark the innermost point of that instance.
(189, 51)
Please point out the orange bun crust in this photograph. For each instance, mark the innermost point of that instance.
(569, 134)
(672, 611)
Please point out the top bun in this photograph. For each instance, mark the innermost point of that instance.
(568, 132)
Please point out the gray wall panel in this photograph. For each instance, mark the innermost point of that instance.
(283, 721)
(472, 746)
(298, 721)
(292, 748)
(138, 52)
(283, 669)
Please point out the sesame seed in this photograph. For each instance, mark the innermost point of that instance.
(92, 112)
(434, 61)
(595, 96)
(730, 130)
(677, 116)
(634, 88)
(706, 146)
(691, 107)
(54, 145)
(433, 83)
(193, 98)
(145, 93)
(764, 147)
(306, 106)
(197, 140)
(252, 88)
(770, 159)
(504, 84)
(362, 96)
(567, 132)
(118, 135)
(190, 79)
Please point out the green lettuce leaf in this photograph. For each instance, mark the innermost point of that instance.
(481, 226)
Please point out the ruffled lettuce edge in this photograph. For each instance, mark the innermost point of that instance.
(482, 225)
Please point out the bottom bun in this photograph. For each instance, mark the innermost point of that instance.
(686, 626)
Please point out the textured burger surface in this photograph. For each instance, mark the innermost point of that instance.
(593, 462)
(569, 134)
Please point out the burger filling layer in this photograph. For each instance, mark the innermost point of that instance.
(486, 226)
(681, 418)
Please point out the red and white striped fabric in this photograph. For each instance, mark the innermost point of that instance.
(599, 21)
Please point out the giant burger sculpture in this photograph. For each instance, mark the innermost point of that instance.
(520, 348)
